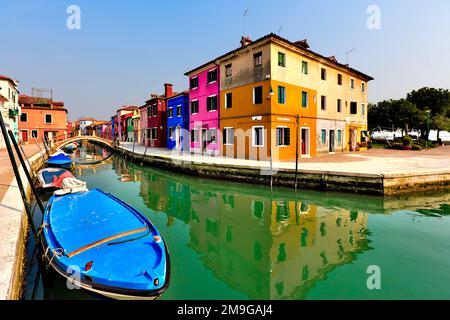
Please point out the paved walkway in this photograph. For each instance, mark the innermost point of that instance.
(6, 172)
(374, 161)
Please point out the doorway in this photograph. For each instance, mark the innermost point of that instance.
(178, 138)
(331, 147)
(24, 135)
(305, 142)
(204, 140)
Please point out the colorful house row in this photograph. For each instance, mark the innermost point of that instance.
(267, 98)
(9, 106)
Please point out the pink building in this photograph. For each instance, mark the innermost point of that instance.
(204, 108)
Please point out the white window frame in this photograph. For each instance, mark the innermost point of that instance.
(262, 137)
(170, 134)
(208, 133)
(28, 134)
(170, 114)
(181, 110)
(37, 134)
(307, 67)
(226, 99)
(285, 94)
(278, 59)
(198, 107)
(352, 80)
(325, 104)
(307, 99)
(209, 72)
(337, 137)
(45, 118)
(308, 154)
(194, 131)
(217, 107)
(337, 106)
(197, 82)
(276, 142)
(363, 87)
(228, 144)
(326, 75)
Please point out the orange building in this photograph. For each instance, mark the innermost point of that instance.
(41, 117)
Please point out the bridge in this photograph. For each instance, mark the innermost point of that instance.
(60, 143)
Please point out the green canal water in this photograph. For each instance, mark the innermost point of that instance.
(238, 241)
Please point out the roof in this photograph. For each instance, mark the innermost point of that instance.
(2, 98)
(176, 95)
(87, 119)
(2, 77)
(299, 45)
(201, 67)
(131, 108)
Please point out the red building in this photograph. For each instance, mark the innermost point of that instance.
(41, 118)
(156, 125)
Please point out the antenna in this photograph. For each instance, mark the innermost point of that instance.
(347, 53)
(279, 30)
(243, 18)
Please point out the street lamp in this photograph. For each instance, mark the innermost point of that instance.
(428, 112)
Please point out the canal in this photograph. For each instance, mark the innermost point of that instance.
(238, 241)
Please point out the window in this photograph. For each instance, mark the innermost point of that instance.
(212, 76)
(48, 118)
(283, 136)
(339, 136)
(304, 67)
(23, 117)
(228, 70)
(228, 136)
(154, 133)
(228, 100)
(152, 111)
(194, 83)
(323, 74)
(194, 106)
(170, 112)
(339, 79)
(353, 108)
(323, 102)
(178, 111)
(281, 59)
(363, 109)
(194, 135)
(339, 105)
(258, 136)
(170, 133)
(323, 136)
(304, 99)
(257, 95)
(211, 135)
(211, 103)
(257, 58)
(352, 83)
(34, 134)
(363, 87)
(281, 95)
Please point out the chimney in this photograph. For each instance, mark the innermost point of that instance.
(302, 44)
(245, 40)
(168, 91)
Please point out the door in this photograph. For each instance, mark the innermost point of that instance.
(204, 140)
(331, 147)
(305, 142)
(178, 138)
(24, 135)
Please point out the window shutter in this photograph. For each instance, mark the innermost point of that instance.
(288, 136)
(278, 136)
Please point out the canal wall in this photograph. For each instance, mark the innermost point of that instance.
(374, 184)
(13, 236)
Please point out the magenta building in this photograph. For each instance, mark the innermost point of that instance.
(204, 108)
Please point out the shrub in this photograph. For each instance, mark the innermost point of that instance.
(416, 147)
(407, 141)
(397, 146)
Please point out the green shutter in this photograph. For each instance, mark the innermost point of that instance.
(288, 136)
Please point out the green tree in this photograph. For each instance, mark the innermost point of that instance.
(438, 102)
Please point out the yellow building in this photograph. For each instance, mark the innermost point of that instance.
(278, 98)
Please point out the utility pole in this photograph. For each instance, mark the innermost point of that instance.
(347, 53)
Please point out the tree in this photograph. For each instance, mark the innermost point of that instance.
(438, 102)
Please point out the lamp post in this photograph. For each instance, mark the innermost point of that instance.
(428, 112)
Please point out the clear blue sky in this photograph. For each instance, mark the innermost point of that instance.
(127, 49)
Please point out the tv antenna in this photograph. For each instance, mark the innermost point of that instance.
(347, 53)
(279, 30)
(243, 18)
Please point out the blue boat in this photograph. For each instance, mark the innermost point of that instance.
(59, 160)
(117, 251)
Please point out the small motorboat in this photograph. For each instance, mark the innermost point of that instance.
(114, 250)
(59, 160)
(70, 147)
(48, 177)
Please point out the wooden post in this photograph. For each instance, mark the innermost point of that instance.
(296, 149)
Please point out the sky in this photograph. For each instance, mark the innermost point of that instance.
(126, 50)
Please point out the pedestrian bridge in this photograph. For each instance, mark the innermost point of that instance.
(64, 142)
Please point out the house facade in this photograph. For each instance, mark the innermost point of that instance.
(41, 118)
(204, 108)
(121, 127)
(178, 122)
(276, 100)
(154, 119)
(9, 105)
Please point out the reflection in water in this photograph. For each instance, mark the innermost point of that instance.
(265, 245)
